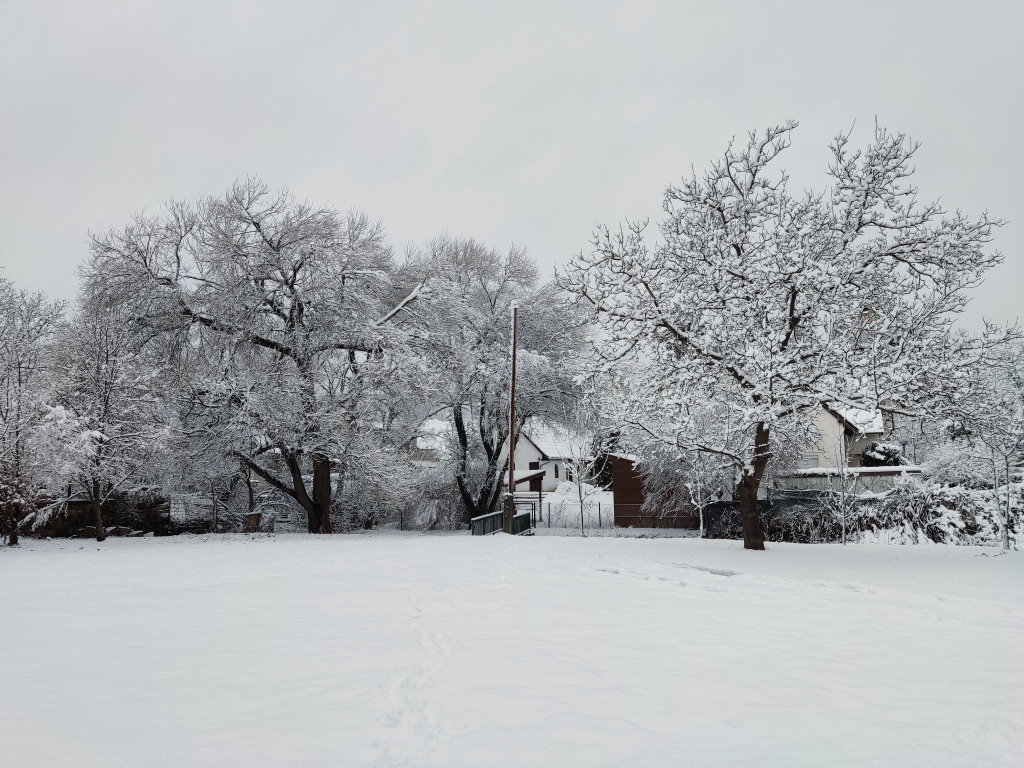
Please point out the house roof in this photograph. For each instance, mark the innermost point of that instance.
(858, 421)
(553, 440)
(625, 457)
(522, 475)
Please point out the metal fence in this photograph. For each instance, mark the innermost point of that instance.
(531, 513)
(567, 514)
(522, 523)
(598, 515)
(486, 524)
(635, 516)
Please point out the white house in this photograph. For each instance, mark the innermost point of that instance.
(837, 457)
(844, 434)
(548, 448)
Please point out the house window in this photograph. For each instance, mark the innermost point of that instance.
(556, 471)
(568, 474)
(534, 465)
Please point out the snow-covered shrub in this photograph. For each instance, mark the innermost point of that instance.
(916, 512)
(878, 454)
(953, 464)
(913, 512)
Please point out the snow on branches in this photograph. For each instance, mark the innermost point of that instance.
(771, 303)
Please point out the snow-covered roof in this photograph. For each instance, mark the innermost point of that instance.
(862, 422)
(522, 475)
(554, 440)
(626, 456)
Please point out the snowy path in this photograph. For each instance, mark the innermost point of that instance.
(391, 649)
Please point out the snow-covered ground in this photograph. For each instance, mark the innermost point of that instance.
(447, 650)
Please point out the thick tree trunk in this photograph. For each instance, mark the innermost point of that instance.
(752, 537)
(321, 495)
(97, 511)
(749, 485)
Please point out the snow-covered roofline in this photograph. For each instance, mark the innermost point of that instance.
(858, 421)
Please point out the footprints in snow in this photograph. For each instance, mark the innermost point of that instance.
(413, 718)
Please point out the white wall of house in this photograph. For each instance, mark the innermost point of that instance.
(829, 449)
(529, 456)
(836, 448)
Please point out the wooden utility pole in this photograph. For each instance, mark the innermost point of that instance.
(509, 508)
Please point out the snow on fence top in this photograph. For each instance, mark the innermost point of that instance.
(909, 469)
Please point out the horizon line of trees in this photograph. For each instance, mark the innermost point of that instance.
(255, 340)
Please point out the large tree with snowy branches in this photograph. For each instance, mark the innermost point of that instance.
(776, 303)
(465, 335)
(276, 311)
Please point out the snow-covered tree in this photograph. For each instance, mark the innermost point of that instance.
(993, 417)
(465, 339)
(103, 427)
(774, 302)
(28, 322)
(280, 312)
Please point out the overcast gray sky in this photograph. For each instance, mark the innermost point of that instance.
(509, 121)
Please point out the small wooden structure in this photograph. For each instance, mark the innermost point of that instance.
(628, 496)
(627, 490)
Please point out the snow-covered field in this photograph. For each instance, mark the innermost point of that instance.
(447, 650)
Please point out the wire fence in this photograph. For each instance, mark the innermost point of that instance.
(597, 515)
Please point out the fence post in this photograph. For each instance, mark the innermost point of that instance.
(508, 511)
(599, 514)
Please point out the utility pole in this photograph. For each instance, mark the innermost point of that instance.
(509, 508)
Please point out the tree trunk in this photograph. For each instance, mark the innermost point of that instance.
(749, 485)
(318, 506)
(321, 495)
(213, 498)
(97, 510)
(1006, 516)
(252, 521)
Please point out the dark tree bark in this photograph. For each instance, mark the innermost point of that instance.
(490, 492)
(97, 510)
(749, 485)
(321, 494)
(318, 505)
(12, 529)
